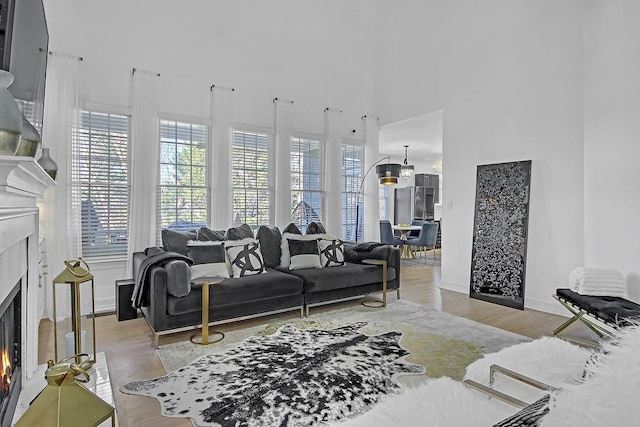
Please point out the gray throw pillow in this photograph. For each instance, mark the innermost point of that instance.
(239, 233)
(176, 241)
(206, 254)
(269, 239)
(292, 228)
(207, 234)
(178, 278)
(315, 228)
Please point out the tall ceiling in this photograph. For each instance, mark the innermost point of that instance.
(423, 135)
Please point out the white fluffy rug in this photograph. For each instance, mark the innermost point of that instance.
(447, 403)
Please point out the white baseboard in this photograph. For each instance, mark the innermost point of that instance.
(544, 306)
(105, 304)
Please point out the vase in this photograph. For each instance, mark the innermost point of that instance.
(29, 141)
(48, 164)
(10, 117)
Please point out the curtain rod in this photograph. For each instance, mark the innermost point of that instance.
(79, 58)
(337, 110)
(282, 100)
(232, 89)
(145, 71)
(369, 117)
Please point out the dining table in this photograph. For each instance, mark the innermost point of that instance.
(405, 229)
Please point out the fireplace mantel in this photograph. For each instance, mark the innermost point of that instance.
(23, 176)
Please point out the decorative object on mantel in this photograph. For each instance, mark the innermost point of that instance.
(499, 251)
(66, 402)
(29, 141)
(10, 117)
(407, 169)
(48, 164)
(74, 275)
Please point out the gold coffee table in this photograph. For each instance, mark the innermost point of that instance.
(376, 303)
(205, 282)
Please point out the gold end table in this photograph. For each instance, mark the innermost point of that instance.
(376, 303)
(205, 282)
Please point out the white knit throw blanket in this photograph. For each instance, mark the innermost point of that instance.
(598, 281)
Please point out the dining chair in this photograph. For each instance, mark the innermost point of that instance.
(426, 239)
(386, 234)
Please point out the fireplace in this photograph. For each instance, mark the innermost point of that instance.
(10, 353)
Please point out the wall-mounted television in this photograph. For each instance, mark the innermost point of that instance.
(24, 42)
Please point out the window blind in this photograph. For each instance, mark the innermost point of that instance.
(101, 173)
(251, 181)
(307, 177)
(183, 192)
(352, 171)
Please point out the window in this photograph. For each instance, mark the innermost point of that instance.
(307, 197)
(252, 193)
(183, 193)
(101, 175)
(352, 164)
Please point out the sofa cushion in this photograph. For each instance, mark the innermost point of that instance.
(178, 278)
(331, 252)
(205, 233)
(245, 257)
(304, 254)
(315, 228)
(209, 259)
(269, 239)
(176, 241)
(239, 233)
(292, 228)
(351, 275)
(241, 290)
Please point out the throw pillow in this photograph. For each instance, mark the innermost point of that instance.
(315, 228)
(269, 239)
(304, 254)
(178, 278)
(176, 241)
(285, 257)
(205, 233)
(209, 259)
(292, 228)
(239, 233)
(245, 257)
(331, 252)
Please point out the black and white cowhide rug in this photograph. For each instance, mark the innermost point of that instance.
(291, 378)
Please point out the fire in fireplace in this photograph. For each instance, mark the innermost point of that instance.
(10, 354)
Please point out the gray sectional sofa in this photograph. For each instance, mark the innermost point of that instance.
(171, 306)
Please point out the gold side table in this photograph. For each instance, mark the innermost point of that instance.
(205, 282)
(376, 303)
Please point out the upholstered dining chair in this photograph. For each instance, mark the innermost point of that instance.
(386, 234)
(426, 239)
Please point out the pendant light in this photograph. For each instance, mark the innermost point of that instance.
(407, 170)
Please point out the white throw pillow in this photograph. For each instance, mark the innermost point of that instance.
(215, 269)
(304, 254)
(245, 257)
(285, 257)
(192, 243)
(331, 252)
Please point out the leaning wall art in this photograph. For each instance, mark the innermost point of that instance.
(499, 251)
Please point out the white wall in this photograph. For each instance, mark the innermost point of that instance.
(508, 76)
(317, 53)
(612, 138)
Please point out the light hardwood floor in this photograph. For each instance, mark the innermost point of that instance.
(130, 353)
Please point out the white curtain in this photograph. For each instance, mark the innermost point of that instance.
(371, 186)
(283, 109)
(220, 157)
(333, 171)
(144, 155)
(60, 216)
